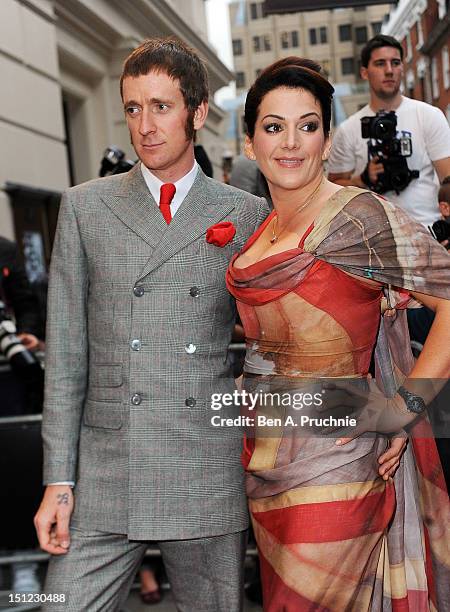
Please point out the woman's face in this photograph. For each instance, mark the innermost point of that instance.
(289, 144)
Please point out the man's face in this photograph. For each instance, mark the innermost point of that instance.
(384, 72)
(157, 116)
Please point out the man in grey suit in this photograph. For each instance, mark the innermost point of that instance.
(139, 321)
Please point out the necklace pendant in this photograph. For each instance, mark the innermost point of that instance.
(273, 239)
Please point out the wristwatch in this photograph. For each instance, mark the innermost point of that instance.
(414, 403)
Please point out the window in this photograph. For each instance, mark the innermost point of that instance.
(347, 65)
(376, 27)
(445, 68)
(419, 34)
(237, 46)
(358, 9)
(409, 51)
(289, 39)
(318, 35)
(434, 78)
(267, 42)
(345, 32)
(240, 79)
(361, 35)
(256, 44)
(258, 72)
(256, 10)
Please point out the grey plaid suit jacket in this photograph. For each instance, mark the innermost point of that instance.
(130, 421)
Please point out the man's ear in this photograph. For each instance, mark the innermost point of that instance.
(248, 149)
(201, 112)
(363, 73)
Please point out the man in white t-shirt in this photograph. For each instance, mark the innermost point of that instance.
(425, 125)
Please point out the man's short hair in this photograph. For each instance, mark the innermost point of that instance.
(444, 191)
(380, 40)
(177, 60)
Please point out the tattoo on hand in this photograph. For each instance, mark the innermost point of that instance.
(63, 499)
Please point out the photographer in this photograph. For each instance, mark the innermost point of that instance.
(20, 393)
(420, 127)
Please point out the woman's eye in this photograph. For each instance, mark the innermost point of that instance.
(311, 126)
(273, 128)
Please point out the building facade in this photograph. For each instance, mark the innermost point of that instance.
(334, 38)
(423, 28)
(60, 63)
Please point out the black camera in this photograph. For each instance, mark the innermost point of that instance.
(114, 162)
(381, 130)
(441, 231)
(18, 356)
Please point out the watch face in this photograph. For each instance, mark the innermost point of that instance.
(416, 404)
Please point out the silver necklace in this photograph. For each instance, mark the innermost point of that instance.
(276, 235)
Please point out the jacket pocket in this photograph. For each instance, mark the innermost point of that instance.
(106, 415)
(105, 382)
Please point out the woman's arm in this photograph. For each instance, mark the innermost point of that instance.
(434, 360)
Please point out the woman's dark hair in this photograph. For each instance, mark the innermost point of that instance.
(295, 73)
(378, 41)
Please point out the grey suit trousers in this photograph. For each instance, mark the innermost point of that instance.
(206, 574)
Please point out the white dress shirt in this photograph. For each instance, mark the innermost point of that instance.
(153, 183)
(182, 186)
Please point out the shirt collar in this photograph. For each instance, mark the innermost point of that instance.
(182, 186)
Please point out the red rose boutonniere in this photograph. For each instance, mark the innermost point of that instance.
(221, 233)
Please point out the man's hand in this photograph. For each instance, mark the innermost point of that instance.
(52, 519)
(374, 168)
(29, 341)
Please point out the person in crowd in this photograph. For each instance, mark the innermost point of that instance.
(444, 208)
(424, 125)
(311, 286)
(19, 395)
(246, 175)
(150, 593)
(22, 305)
(139, 322)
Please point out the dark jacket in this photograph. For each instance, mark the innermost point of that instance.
(15, 289)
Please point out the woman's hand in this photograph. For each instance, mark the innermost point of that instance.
(390, 459)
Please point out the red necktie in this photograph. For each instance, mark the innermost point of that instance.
(167, 192)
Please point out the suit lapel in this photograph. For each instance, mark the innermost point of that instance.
(134, 205)
(201, 209)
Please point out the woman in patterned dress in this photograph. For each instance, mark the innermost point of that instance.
(311, 285)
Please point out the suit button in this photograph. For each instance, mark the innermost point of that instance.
(194, 291)
(190, 401)
(136, 399)
(190, 348)
(138, 291)
(135, 344)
